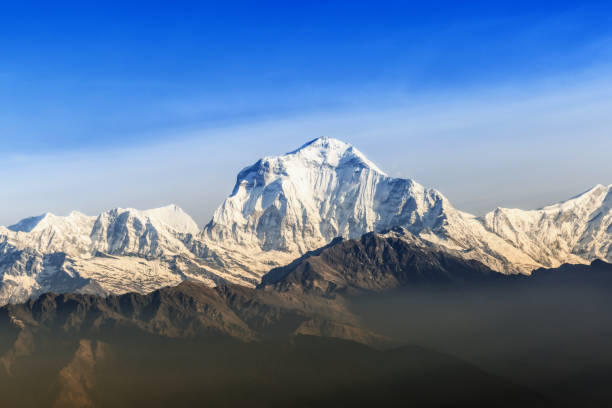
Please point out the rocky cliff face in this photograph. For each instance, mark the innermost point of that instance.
(377, 263)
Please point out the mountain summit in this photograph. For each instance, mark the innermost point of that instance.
(572, 231)
(327, 188)
(327, 151)
(284, 206)
(280, 208)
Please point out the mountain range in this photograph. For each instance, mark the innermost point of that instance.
(280, 209)
(304, 336)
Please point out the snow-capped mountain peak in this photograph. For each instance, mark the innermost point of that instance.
(572, 231)
(120, 250)
(174, 217)
(286, 205)
(30, 223)
(592, 198)
(306, 197)
(49, 220)
(149, 233)
(327, 151)
(51, 233)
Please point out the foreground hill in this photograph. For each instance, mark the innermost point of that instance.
(131, 369)
(377, 263)
(192, 346)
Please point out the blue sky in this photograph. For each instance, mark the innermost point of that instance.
(107, 104)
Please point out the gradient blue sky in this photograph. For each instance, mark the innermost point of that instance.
(106, 104)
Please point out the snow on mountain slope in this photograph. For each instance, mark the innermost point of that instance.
(307, 197)
(174, 217)
(151, 233)
(280, 208)
(283, 206)
(121, 250)
(578, 230)
(51, 233)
